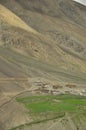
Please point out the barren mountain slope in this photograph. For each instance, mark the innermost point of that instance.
(67, 27)
(65, 35)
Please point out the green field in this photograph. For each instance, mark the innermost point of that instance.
(51, 107)
(53, 104)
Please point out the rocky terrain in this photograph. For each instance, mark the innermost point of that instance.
(42, 52)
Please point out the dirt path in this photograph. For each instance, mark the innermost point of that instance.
(7, 102)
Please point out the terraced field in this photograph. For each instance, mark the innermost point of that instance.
(51, 103)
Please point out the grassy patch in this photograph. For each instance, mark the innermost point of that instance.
(50, 106)
(53, 104)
